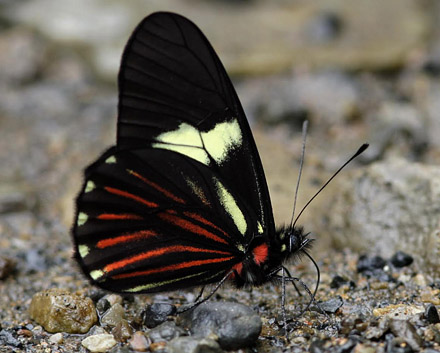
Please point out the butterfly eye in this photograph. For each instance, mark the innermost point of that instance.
(294, 242)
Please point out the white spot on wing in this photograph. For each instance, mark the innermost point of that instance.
(110, 160)
(82, 218)
(90, 186)
(96, 274)
(83, 250)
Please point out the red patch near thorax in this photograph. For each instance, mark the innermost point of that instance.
(238, 267)
(260, 253)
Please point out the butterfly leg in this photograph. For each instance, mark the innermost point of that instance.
(306, 288)
(283, 299)
(200, 294)
(294, 284)
(202, 300)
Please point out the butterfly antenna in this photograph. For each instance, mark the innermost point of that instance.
(301, 163)
(358, 152)
(318, 274)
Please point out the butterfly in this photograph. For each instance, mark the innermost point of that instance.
(181, 200)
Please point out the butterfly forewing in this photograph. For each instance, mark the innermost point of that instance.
(176, 95)
(154, 220)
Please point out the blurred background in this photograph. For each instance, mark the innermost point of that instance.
(364, 71)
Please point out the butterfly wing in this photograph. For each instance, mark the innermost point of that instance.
(175, 94)
(155, 220)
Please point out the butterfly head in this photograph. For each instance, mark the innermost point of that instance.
(292, 241)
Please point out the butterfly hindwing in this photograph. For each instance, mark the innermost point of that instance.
(174, 94)
(154, 220)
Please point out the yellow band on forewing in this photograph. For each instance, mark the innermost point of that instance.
(260, 228)
(185, 134)
(200, 145)
(196, 153)
(223, 138)
(231, 207)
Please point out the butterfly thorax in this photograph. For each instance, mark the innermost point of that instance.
(265, 255)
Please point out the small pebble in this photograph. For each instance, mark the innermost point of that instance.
(165, 332)
(159, 347)
(194, 345)
(99, 343)
(405, 330)
(401, 259)
(420, 280)
(157, 313)
(429, 295)
(379, 285)
(113, 299)
(122, 331)
(339, 281)
(139, 342)
(366, 263)
(24, 332)
(332, 305)
(7, 265)
(56, 338)
(7, 339)
(113, 316)
(102, 305)
(431, 314)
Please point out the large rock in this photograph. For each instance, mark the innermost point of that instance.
(385, 207)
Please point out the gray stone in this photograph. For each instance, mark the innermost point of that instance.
(165, 332)
(193, 345)
(113, 316)
(405, 330)
(236, 325)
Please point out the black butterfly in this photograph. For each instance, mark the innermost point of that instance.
(181, 200)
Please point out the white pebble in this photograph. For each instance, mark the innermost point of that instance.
(99, 343)
(56, 338)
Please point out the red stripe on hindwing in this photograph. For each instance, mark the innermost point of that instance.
(189, 226)
(113, 216)
(158, 252)
(130, 196)
(173, 267)
(142, 234)
(157, 187)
